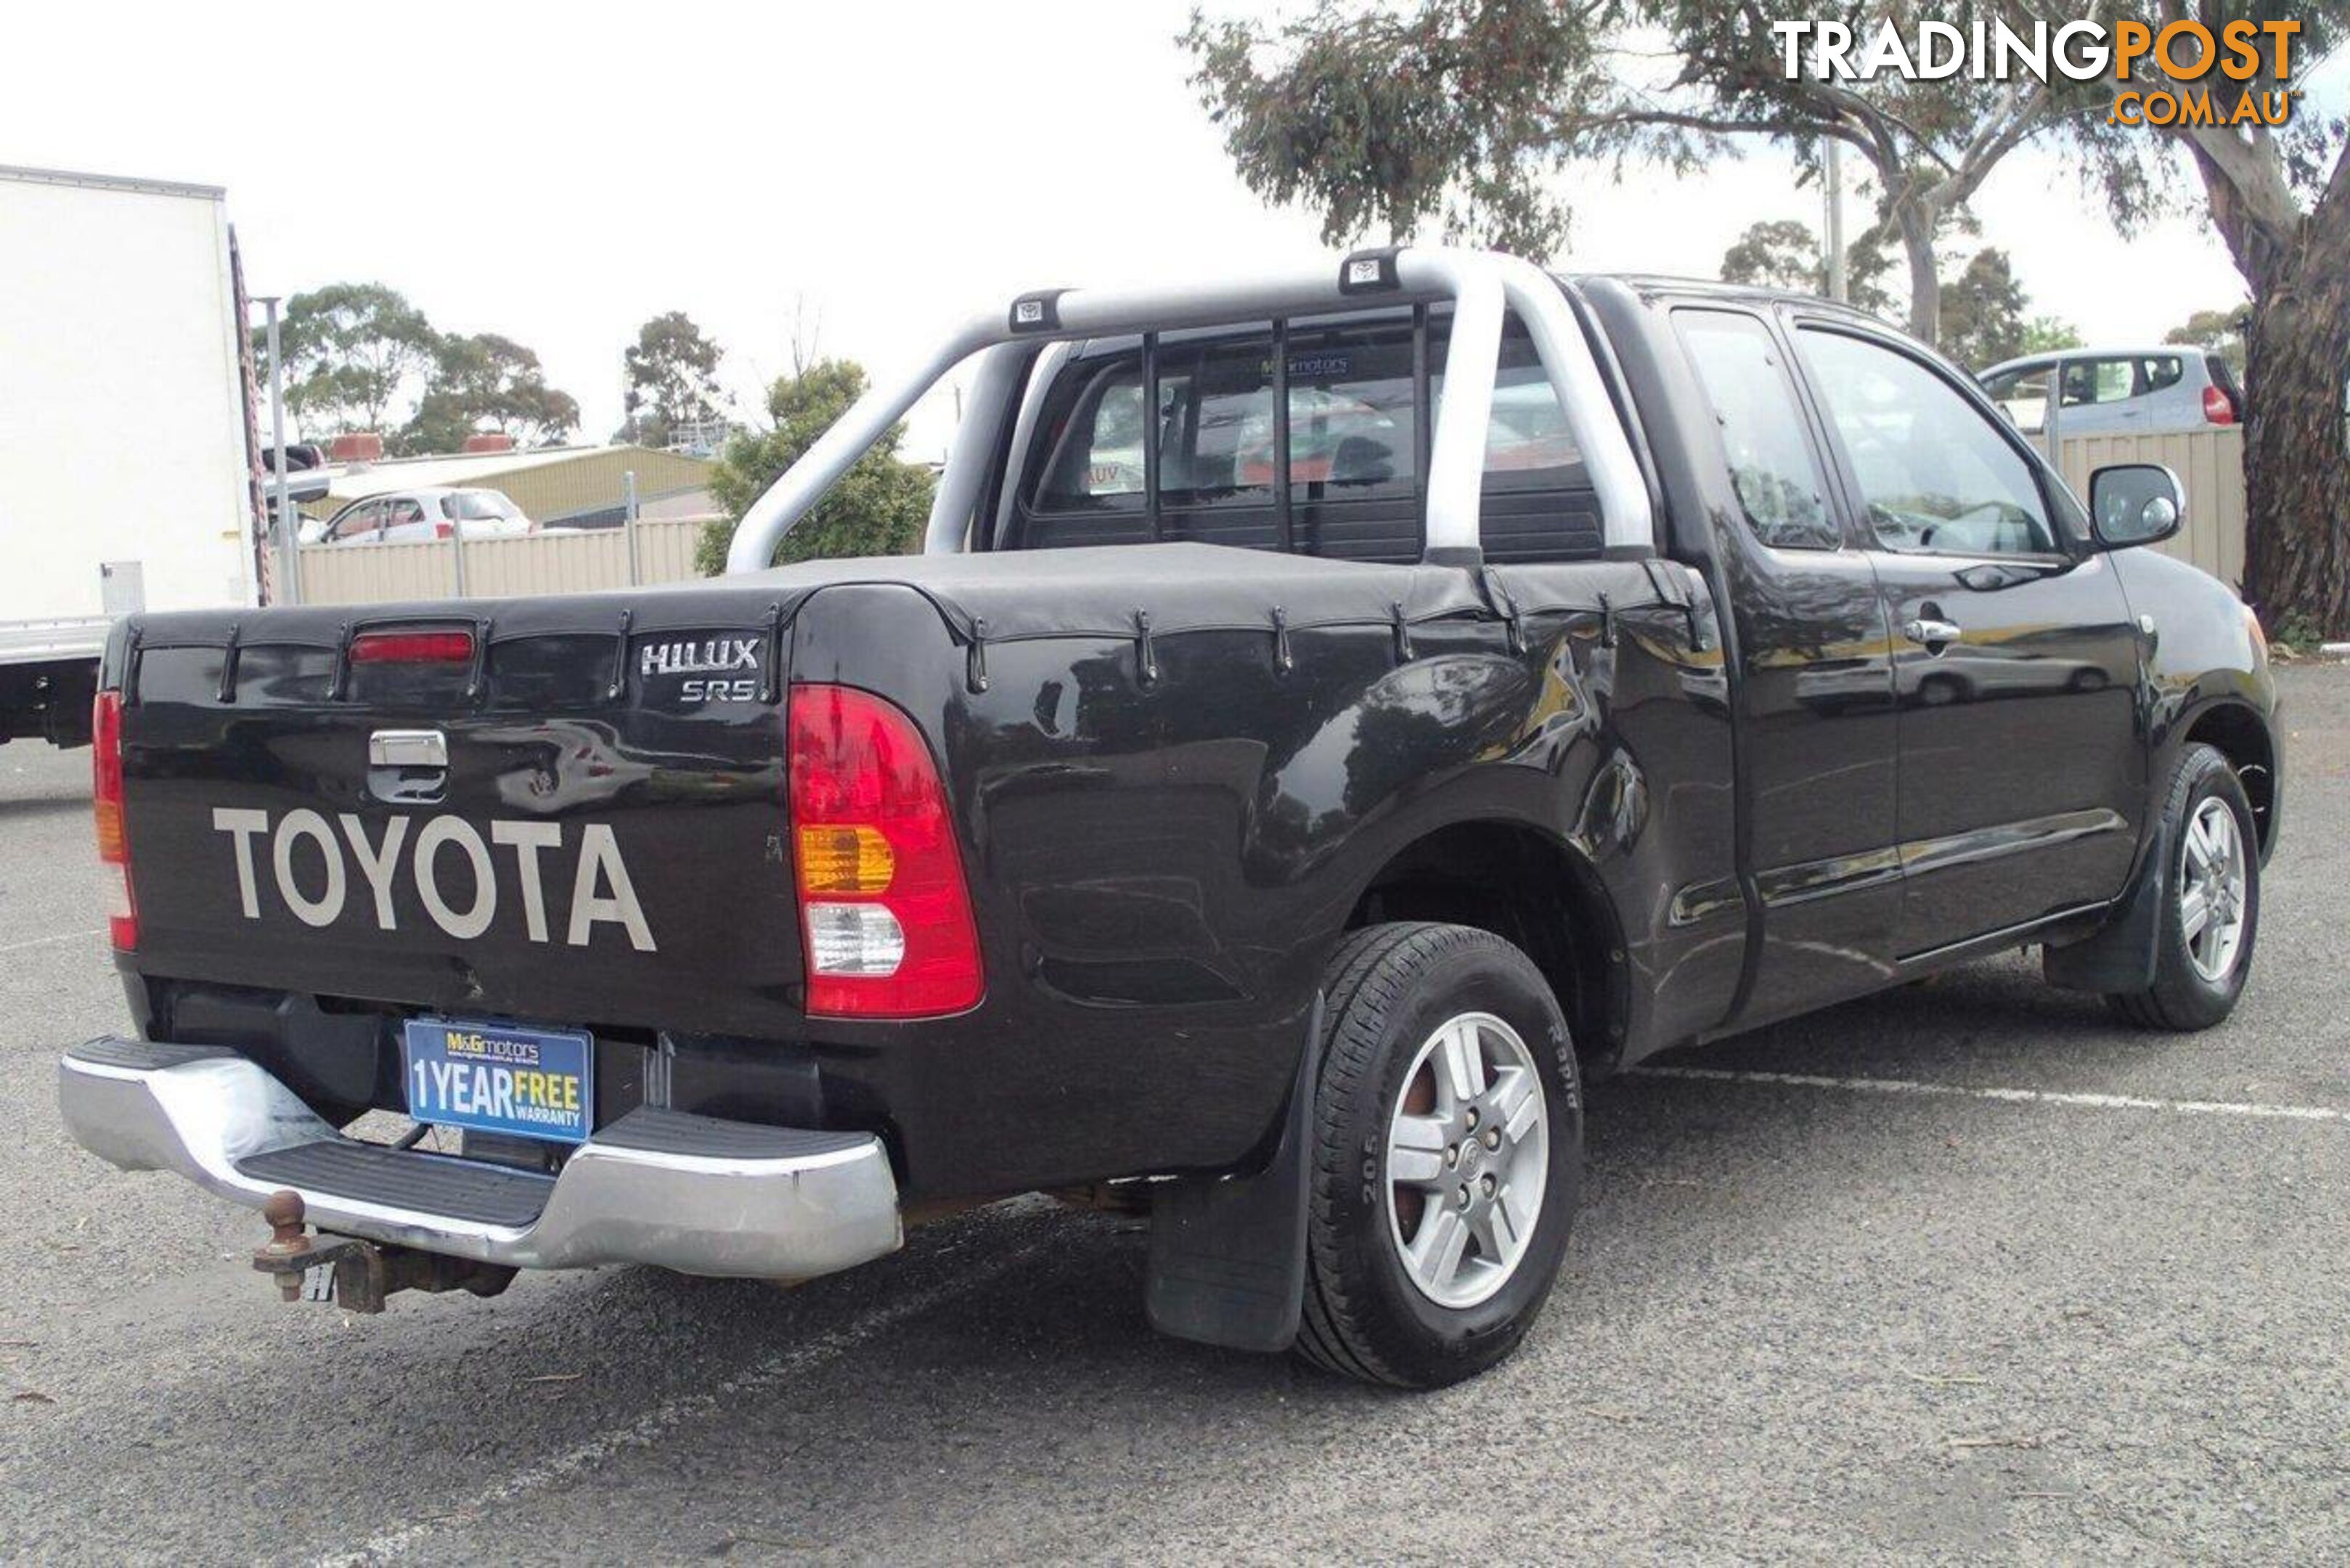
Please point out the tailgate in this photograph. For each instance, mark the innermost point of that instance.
(567, 809)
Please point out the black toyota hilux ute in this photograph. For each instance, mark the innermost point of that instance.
(1336, 715)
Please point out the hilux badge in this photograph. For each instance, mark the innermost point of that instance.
(714, 655)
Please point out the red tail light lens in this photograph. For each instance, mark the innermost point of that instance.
(2218, 409)
(883, 906)
(413, 648)
(443, 530)
(113, 833)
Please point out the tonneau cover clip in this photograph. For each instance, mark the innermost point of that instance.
(976, 664)
(1506, 607)
(1146, 655)
(771, 674)
(619, 686)
(228, 667)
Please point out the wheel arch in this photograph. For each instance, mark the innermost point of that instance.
(1530, 888)
(2238, 731)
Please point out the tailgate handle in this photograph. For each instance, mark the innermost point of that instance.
(407, 749)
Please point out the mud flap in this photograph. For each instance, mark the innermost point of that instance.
(1228, 1256)
(2120, 957)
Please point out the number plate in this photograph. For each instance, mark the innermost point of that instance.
(493, 1077)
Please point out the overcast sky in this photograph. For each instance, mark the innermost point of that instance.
(560, 172)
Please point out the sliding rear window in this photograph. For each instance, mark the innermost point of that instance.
(1185, 440)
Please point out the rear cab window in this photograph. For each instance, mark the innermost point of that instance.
(1772, 468)
(1189, 438)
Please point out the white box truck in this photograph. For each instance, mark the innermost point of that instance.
(126, 478)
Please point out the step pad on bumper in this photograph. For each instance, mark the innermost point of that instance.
(427, 1183)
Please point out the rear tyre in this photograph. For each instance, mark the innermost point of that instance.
(1447, 1156)
(2210, 900)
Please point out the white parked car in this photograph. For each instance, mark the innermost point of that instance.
(419, 516)
(2140, 391)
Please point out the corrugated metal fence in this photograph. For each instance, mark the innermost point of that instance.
(2210, 466)
(2208, 463)
(500, 568)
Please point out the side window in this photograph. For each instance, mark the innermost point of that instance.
(359, 522)
(2021, 395)
(2098, 381)
(1933, 472)
(1772, 463)
(2160, 370)
(405, 511)
(1099, 459)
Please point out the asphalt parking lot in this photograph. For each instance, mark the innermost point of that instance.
(1964, 1272)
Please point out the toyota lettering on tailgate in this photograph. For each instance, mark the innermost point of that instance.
(601, 891)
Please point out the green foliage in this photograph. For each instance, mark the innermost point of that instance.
(1380, 118)
(2300, 631)
(879, 506)
(1983, 312)
(486, 383)
(1381, 115)
(350, 348)
(2220, 331)
(671, 379)
(1784, 252)
(353, 350)
(1386, 114)
(2047, 334)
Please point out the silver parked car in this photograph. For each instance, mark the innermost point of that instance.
(418, 516)
(2119, 391)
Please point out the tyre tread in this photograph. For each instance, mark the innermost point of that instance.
(2168, 1004)
(1370, 973)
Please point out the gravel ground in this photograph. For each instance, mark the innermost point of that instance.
(2102, 1319)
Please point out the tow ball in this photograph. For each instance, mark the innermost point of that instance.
(356, 1275)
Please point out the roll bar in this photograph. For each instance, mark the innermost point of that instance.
(1480, 284)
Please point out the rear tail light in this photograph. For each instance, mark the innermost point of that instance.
(413, 648)
(882, 899)
(113, 833)
(443, 530)
(2218, 409)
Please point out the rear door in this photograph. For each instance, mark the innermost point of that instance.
(405, 521)
(2101, 397)
(1817, 723)
(2015, 660)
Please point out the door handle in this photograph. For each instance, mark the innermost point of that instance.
(1932, 634)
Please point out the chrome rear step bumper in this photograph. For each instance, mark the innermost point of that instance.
(679, 1191)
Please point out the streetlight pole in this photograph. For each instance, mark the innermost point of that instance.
(285, 540)
(1839, 286)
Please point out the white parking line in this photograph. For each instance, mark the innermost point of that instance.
(656, 1423)
(2025, 1096)
(44, 941)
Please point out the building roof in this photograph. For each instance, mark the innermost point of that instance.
(550, 484)
(351, 479)
(111, 182)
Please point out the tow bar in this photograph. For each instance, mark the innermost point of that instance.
(358, 1275)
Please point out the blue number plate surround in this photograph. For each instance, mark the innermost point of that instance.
(494, 1077)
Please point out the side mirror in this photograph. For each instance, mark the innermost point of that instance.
(2135, 503)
